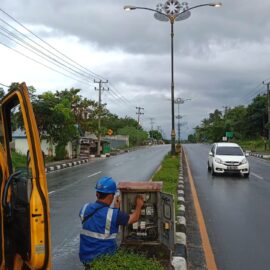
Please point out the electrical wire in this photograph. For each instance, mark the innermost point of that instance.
(93, 74)
(4, 85)
(70, 66)
(42, 63)
(38, 53)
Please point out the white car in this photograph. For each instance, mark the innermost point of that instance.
(227, 158)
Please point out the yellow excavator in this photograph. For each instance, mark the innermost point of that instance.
(25, 214)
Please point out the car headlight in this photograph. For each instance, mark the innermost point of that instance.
(244, 161)
(218, 160)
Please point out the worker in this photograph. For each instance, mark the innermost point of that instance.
(100, 221)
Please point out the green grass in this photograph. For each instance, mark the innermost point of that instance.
(18, 160)
(123, 260)
(169, 174)
(255, 145)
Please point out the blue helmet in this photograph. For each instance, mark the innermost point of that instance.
(106, 185)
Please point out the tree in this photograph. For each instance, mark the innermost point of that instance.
(55, 119)
(256, 117)
(155, 134)
(136, 137)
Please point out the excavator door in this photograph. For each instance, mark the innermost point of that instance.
(25, 219)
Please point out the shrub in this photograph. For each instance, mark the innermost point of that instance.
(123, 260)
(60, 152)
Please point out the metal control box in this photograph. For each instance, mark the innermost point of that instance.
(156, 223)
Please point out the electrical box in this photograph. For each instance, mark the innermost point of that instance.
(156, 224)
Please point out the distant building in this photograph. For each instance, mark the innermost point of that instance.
(20, 145)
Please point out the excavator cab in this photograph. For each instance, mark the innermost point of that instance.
(24, 215)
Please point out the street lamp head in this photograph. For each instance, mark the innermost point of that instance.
(215, 4)
(128, 8)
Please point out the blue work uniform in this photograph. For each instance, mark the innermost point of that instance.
(99, 232)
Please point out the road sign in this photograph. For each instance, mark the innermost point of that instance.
(229, 134)
(109, 132)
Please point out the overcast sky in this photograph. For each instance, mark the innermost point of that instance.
(222, 55)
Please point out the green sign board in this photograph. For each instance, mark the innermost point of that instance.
(229, 134)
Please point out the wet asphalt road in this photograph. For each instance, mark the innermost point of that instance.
(71, 188)
(236, 212)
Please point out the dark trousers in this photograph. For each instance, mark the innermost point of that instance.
(87, 265)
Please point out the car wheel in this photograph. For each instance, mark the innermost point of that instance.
(246, 175)
(208, 167)
(213, 171)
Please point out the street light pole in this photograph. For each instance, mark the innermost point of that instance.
(172, 89)
(172, 16)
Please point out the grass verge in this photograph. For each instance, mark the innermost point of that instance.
(169, 174)
(18, 160)
(124, 259)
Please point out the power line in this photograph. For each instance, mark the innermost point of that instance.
(4, 85)
(42, 63)
(93, 74)
(38, 53)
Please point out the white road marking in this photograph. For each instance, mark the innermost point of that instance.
(91, 175)
(72, 184)
(256, 175)
(118, 164)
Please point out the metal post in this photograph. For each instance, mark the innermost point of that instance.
(172, 89)
(268, 107)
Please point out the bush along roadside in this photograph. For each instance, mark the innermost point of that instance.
(124, 259)
(171, 173)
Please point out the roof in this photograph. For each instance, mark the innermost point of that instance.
(227, 144)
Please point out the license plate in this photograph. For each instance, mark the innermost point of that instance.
(232, 168)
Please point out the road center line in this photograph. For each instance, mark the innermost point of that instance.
(91, 175)
(256, 175)
(51, 192)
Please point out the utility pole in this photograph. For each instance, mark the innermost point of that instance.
(100, 89)
(268, 107)
(139, 114)
(152, 124)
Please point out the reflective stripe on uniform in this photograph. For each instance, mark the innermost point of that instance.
(83, 210)
(108, 221)
(96, 235)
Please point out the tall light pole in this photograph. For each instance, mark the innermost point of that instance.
(171, 11)
(179, 101)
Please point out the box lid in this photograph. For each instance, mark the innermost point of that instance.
(139, 186)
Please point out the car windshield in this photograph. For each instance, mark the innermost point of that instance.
(229, 151)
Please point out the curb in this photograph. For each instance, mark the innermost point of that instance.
(179, 256)
(72, 163)
(56, 167)
(65, 165)
(259, 155)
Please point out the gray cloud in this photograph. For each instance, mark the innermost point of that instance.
(221, 55)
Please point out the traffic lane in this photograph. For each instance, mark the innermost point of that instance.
(65, 222)
(67, 199)
(259, 168)
(234, 212)
(139, 165)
